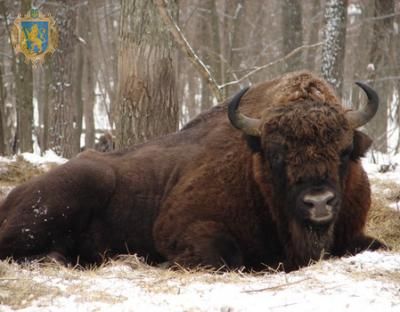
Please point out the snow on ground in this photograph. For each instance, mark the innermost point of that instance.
(385, 177)
(369, 281)
(366, 282)
(48, 157)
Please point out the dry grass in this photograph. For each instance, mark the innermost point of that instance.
(17, 172)
(384, 221)
(19, 291)
(14, 173)
(20, 285)
(378, 275)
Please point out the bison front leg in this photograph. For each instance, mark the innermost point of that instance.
(359, 244)
(201, 243)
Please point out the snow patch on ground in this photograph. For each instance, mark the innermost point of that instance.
(359, 283)
(48, 157)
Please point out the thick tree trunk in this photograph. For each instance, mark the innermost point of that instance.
(147, 105)
(333, 50)
(292, 32)
(62, 106)
(24, 96)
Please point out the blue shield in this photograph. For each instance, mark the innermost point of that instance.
(35, 36)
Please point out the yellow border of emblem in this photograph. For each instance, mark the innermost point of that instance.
(17, 35)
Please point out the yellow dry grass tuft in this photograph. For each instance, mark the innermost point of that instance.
(17, 172)
(383, 220)
(19, 291)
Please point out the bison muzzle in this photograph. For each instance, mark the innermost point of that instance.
(284, 188)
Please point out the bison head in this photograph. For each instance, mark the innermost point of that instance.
(305, 145)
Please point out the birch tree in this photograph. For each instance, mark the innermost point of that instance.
(333, 50)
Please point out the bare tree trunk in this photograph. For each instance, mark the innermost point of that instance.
(380, 60)
(89, 94)
(24, 96)
(184, 46)
(147, 106)
(315, 25)
(62, 108)
(234, 25)
(45, 106)
(292, 32)
(7, 111)
(215, 52)
(210, 50)
(77, 86)
(191, 102)
(362, 57)
(106, 67)
(89, 105)
(333, 51)
(396, 60)
(2, 106)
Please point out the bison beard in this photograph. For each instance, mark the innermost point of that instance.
(307, 245)
(285, 187)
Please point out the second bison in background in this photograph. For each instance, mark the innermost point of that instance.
(285, 187)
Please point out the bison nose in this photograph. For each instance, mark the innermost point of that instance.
(320, 205)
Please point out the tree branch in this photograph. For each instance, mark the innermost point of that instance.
(185, 47)
(257, 69)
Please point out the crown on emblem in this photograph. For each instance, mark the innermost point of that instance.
(34, 13)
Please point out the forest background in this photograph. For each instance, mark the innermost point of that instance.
(118, 69)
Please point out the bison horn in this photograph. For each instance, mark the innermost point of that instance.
(248, 125)
(362, 116)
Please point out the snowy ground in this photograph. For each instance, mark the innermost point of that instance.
(367, 282)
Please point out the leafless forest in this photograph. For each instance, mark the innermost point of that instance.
(124, 67)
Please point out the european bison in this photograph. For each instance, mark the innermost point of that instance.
(285, 187)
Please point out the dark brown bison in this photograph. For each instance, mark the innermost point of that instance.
(286, 186)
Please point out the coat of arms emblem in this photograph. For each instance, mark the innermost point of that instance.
(34, 35)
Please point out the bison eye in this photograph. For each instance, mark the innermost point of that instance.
(275, 155)
(276, 159)
(344, 160)
(344, 155)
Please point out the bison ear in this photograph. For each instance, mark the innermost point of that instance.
(361, 144)
(253, 142)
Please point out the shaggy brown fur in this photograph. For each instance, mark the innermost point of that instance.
(207, 195)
